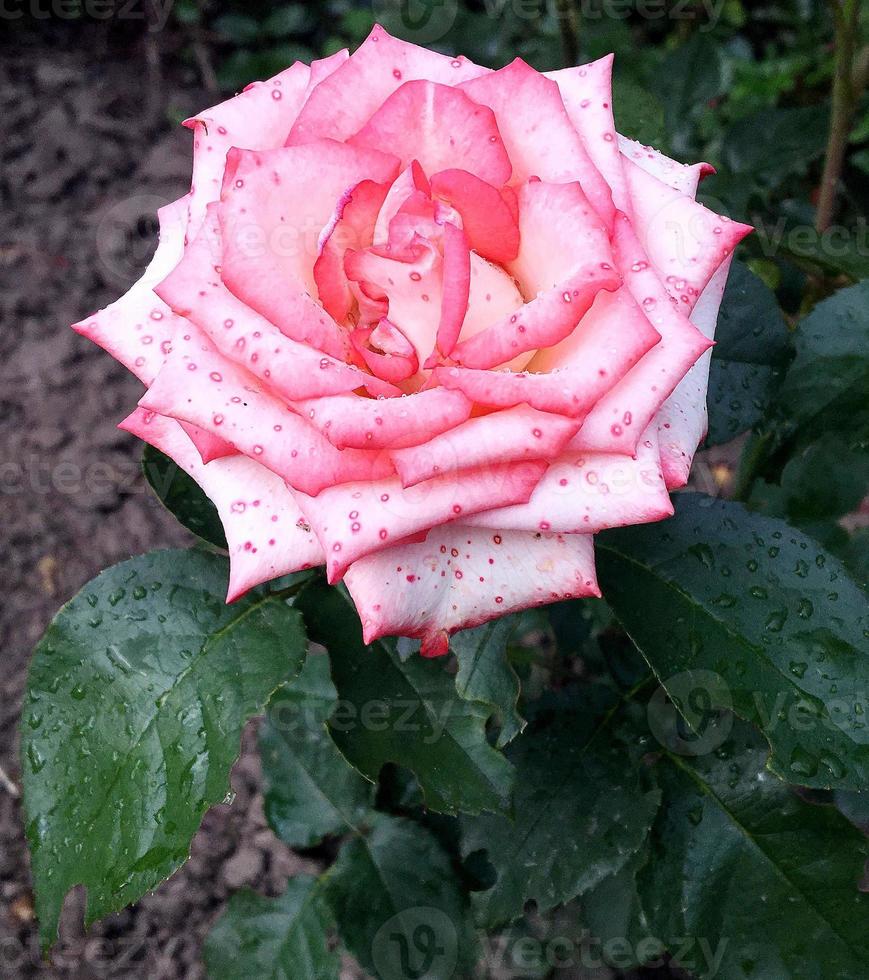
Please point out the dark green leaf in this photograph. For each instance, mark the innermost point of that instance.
(485, 673)
(769, 882)
(282, 938)
(407, 713)
(826, 385)
(613, 914)
(639, 115)
(826, 479)
(398, 904)
(770, 145)
(773, 624)
(285, 21)
(751, 345)
(582, 809)
(690, 77)
(134, 707)
(183, 497)
(310, 788)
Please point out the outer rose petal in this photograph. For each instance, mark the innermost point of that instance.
(204, 388)
(263, 524)
(587, 492)
(685, 241)
(137, 328)
(257, 119)
(360, 518)
(682, 177)
(515, 434)
(386, 423)
(616, 421)
(461, 577)
(587, 93)
(442, 128)
(540, 138)
(342, 103)
(682, 418)
(274, 207)
(194, 290)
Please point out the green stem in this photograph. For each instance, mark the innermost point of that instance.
(845, 97)
(753, 457)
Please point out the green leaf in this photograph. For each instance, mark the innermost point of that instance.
(613, 913)
(770, 882)
(825, 387)
(772, 144)
(311, 790)
(485, 673)
(582, 809)
(773, 624)
(273, 938)
(406, 712)
(826, 479)
(639, 115)
(751, 344)
(398, 903)
(182, 496)
(134, 707)
(690, 77)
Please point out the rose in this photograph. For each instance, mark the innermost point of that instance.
(430, 324)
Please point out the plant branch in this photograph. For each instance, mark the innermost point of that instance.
(845, 98)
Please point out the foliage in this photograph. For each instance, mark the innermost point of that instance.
(680, 770)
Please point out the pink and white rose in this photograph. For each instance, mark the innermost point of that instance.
(430, 325)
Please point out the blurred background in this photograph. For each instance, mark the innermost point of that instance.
(91, 96)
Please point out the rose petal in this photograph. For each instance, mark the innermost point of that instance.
(359, 518)
(487, 218)
(258, 118)
(559, 231)
(545, 321)
(265, 530)
(274, 207)
(587, 492)
(137, 329)
(351, 227)
(537, 132)
(587, 93)
(461, 577)
(618, 418)
(202, 387)
(514, 434)
(457, 285)
(682, 177)
(386, 423)
(685, 241)
(341, 104)
(682, 418)
(442, 128)
(194, 290)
